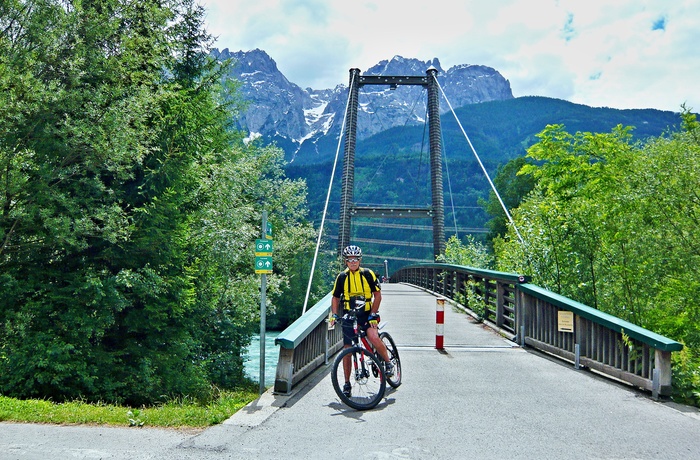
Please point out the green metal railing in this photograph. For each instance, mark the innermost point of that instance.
(495, 290)
(553, 323)
(305, 345)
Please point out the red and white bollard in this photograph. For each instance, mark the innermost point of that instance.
(439, 323)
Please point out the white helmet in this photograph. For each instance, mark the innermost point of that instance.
(352, 251)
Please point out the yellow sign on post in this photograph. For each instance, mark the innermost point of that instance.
(566, 321)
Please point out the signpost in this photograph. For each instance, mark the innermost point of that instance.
(263, 266)
(263, 256)
(264, 247)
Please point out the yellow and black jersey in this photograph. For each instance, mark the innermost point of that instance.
(360, 283)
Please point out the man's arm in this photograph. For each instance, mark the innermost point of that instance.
(337, 292)
(335, 301)
(377, 299)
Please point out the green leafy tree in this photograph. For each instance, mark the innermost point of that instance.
(512, 187)
(561, 217)
(612, 223)
(128, 208)
(471, 253)
(76, 131)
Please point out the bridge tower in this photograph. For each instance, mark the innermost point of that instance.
(348, 209)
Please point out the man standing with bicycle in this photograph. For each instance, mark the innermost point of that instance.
(358, 286)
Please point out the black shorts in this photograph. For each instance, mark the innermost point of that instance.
(349, 331)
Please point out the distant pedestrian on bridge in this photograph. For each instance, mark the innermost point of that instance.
(357, 285)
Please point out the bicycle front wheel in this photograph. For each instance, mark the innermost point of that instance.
(395, 379)
(365, 377)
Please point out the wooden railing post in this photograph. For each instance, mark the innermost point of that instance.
(662, 362)
(499, 304)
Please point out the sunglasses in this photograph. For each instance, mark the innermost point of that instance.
(352, 260)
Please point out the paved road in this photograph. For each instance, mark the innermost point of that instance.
(482, 398)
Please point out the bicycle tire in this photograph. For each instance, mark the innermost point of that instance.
(366, 379)
(395, 380)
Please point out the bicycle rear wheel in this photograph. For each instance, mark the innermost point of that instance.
(367, 382)
(394, 380)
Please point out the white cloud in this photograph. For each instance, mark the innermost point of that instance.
(624, 54)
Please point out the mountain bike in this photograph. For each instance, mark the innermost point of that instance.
(367, 378)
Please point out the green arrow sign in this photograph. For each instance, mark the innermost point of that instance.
(263, 247)
(263, 264)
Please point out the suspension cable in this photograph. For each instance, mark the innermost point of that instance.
(493, 187)
(449, 183)
(328, 197)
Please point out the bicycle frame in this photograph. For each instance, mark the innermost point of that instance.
(361, 368)
(360, 337)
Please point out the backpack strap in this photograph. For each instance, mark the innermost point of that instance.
(366, 274)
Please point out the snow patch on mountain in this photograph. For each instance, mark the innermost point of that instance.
(281, 110)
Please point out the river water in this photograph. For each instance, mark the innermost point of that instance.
(252, 360)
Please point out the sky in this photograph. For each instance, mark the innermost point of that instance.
(624, 54)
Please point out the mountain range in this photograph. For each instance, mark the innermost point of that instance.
(300, 119)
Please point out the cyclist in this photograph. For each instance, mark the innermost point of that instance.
(358, 284)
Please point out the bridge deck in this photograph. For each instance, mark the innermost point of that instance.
(482, 398)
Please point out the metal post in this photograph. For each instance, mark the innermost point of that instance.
(263, 301)
(386, 269)
(348, 182)
(440, 323)
(577, 356)
(655, 384)
(436, 163)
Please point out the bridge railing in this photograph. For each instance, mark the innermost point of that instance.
(494, 290)
(599, 341)
(553, 323)
(305, 345)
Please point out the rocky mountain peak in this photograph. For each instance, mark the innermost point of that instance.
(398, 65)
(298, 119)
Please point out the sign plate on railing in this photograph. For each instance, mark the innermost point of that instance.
(565, 321)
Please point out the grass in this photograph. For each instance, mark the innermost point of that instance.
(183, 413)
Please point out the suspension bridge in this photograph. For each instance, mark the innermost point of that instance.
(521, 373)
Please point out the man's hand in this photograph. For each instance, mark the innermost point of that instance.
(334, 319)
(373, 319)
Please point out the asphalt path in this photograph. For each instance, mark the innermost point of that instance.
(482, 397)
